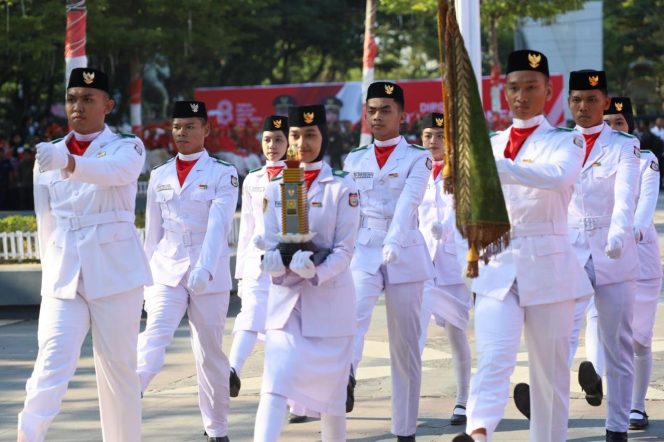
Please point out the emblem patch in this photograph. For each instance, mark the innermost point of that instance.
(233, 181)
(593, 80)
(353, 199)
(88, 77)
(389, 89)
(579, 142)
(138, 149)
(534, 60)
(654, 166)
(429, 163)
(619, 106)
(194, 107)
(308, 117)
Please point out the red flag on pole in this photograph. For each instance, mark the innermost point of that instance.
(370, 51)
(75, 37)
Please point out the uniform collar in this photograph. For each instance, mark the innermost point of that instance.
(390, 142)
(592, 130)
(525, 124)
(191, 156)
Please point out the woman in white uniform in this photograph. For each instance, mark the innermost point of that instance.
(649, 284)
(310, 320)
(445, 296)
(253, 283)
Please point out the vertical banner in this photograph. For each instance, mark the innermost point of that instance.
(75, 37)
(135, 92)
(370, 51)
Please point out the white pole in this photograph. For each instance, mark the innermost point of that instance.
(468, 16)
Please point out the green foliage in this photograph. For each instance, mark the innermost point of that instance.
(18, 223)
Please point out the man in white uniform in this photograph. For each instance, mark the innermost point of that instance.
(445, 297)
(93, 266)
(532, 284)
(649, 282)
(191, 201)
(601, 220)
(390, 253)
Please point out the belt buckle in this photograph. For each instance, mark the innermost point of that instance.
(186, 238)
(589, 223)
(74, 223)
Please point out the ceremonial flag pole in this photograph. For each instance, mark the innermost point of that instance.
(135, 93)
(370, 51)
(75, 37)
(470, 169)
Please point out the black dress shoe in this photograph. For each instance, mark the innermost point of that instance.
(350, 393)
(591, 383)
(463, 437)
(218, 439)
(234, 383)
(296, 418)
(640, 423)
(522, 398)
(457, 418)
(410, 438)
(615, 436)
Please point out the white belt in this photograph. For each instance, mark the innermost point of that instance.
(79, 222)
(184, 238)
(375, 223)
(532, 229)
(590, 222)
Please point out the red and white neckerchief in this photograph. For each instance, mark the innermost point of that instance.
(184, 164)
(79, 143)
(384, 149)
(519, 133)
(273, 168)
(590, 134)
(311, 171)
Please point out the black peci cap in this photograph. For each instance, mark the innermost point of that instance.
(88, 77)
(434, 120)
(386, 89)
(274, 123)
(587, 80)
(623, 106)
(527, 60)
(313, 115)
(189, 109)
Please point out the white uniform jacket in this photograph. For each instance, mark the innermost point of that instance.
(327, 301)
(650, 266)
(248, 258)
(537, 187)
(389, 198)
(85, 220)
(187, 227)
(439, 207)
(603, 204)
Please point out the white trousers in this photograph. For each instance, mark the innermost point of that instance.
(207, 315)
(402, 302)
(548, 328)
(614, 304)
(63, 325)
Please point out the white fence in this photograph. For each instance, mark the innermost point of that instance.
(22, 246)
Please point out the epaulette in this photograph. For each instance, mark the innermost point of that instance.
(341, 173)
(276, 178)
(493, 134)
(165, 162)
(566, 129)
(127, 135)
(415, 146)
(256, 169)
(625, 134)
(57, 140)
(225, 163)
(357, 149)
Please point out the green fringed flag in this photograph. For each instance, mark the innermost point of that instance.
(470, 169)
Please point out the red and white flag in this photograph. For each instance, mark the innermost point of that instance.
(75, 37)
(370, 51)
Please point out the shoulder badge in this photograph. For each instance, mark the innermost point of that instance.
(165, 162)
(415, 146)
(353, 199)
(256, 169)
(357, 149)
(625, 134)
(654, 166)
(637, 152)
(337, 172)
(225, 163)
(429, 163)
(234, 182)
(578, 141)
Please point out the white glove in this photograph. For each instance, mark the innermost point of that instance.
(614, 247)
(302, 264)
(258, 241)
(273, 264)
(198, 280)
(437, 230)
(390, 253)
(50, 157)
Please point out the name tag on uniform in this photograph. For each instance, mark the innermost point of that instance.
(357, 175)
(164, 187)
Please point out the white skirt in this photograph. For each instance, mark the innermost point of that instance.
(312, 372)
(448, 304)
(253, 313)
